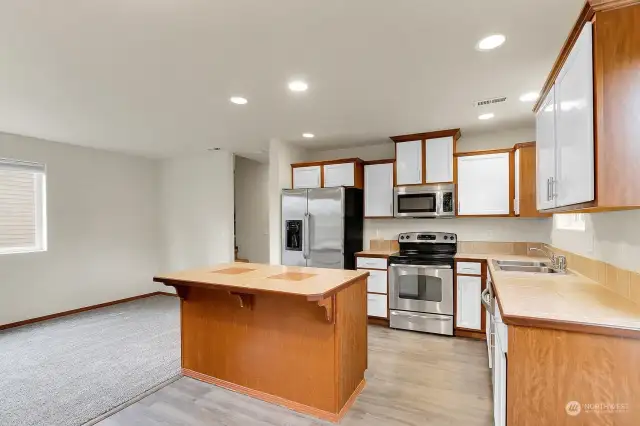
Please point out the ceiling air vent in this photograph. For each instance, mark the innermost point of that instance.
(489, 102)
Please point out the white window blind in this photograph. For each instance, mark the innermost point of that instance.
(22, 207)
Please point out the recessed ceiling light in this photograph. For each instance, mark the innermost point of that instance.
(238, 100)
(298, 86)
(491, 42)
(529, 97)
(308, 135)
(487, 116)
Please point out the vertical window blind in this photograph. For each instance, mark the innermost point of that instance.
(22, 207)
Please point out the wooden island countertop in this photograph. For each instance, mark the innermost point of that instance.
(292, 336)
(312, 283)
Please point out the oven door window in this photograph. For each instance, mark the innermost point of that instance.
(420, 287)
(417, 203)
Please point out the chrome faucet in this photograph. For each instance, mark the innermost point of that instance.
(558, 262)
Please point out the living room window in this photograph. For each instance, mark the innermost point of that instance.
(23, 217)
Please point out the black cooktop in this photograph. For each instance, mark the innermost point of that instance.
(421, 259)
(425, 248)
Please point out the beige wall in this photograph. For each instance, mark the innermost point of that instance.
(197, 210)
(612, 237)
(496, 140)
(281, 156)
(366, 153)
(471, 142)
(252, 209)
(104, 233)
(468, 229)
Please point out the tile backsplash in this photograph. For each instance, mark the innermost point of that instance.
(621, 281)
(493, 247)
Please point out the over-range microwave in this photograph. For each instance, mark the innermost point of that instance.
(432, 201)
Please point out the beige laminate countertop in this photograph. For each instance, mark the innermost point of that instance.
(375, 253)
(561, 301)
(313, 283)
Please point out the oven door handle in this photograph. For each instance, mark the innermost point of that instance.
(421, 266)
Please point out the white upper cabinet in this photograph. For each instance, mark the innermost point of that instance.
(546, 151)
(342, 174)
(306, 177)
(469, 306)
(565, 145)
(409, 163)
(378, 190)
(575, 174)
(439, 160)
(483, 185)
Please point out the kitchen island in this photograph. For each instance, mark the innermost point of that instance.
(293, 336)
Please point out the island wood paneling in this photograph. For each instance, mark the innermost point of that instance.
(351, 340)
(280, 348)
(246, 346)
(547, 369)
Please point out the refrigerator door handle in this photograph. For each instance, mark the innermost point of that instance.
(305, 235)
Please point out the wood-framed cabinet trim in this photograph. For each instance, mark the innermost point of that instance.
(358, 170)
(512, 185)
(373, 163)
(461, 331)
(424, 138)
(374, 319)
(616, 44)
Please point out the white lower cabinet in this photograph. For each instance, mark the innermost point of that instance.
(377, 305)
(500, 376)
(469, 312)
(377, 282)
(489, 335)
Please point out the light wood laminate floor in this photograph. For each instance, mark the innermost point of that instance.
(413, 379)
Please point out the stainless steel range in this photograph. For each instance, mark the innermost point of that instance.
(421, 282)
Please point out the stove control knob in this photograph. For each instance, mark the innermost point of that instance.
(446, 237)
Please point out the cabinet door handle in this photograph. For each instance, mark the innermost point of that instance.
(548, 189)
(553, 188)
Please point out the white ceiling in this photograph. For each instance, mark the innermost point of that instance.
(153, 77)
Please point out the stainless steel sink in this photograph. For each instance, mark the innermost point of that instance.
(538, 269)
(521, 263)
(524, 266)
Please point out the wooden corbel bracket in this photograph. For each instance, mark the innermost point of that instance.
(329, 305)
(246, 300)
(183, 291)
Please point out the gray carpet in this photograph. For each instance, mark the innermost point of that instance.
(72, 369)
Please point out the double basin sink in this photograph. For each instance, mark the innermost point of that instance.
(524, 266)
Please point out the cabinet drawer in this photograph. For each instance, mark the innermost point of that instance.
(371, 263)
(470, 268)
(377, 282)
(377, 305)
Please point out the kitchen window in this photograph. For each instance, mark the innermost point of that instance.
(570, 222)
(23, 218)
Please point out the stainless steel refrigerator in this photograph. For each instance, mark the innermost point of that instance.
(322, 227)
